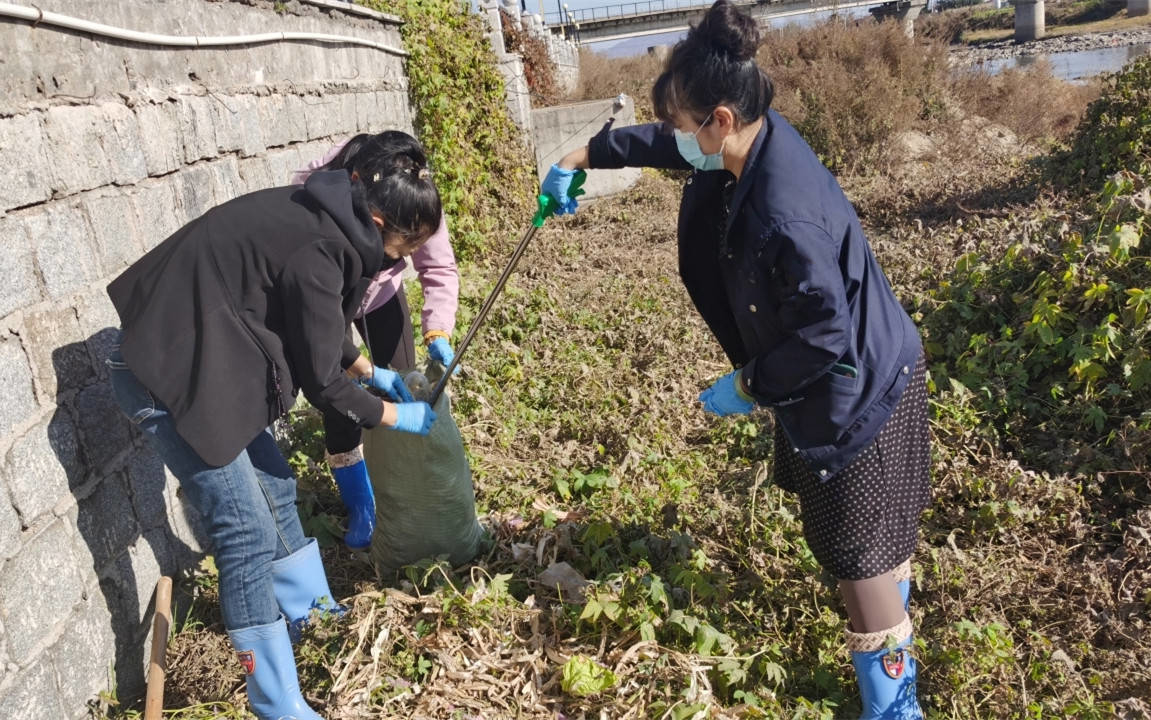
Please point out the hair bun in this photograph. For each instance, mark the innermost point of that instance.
(729, 31)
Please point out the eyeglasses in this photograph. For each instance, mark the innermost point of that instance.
(702, 125)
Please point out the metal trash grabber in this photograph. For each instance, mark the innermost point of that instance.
(547, 207)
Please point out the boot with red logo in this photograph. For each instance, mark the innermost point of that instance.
(886, 672)
(273, 685)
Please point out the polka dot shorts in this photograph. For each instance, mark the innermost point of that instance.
(864, 521)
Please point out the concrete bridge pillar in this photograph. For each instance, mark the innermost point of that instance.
(1029, 21)
(906, 18)
(1135, 8)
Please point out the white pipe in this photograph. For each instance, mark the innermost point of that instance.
(40, 17)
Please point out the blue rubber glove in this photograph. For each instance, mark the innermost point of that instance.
(556, 184)
(441, 351)
(726, 397)
(414, 417)
(389, 383)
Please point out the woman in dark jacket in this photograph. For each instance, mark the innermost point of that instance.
(775, 260)
(222, 323)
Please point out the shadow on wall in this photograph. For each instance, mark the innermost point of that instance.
(126, 516)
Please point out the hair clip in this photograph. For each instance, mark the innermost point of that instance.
(376, 178)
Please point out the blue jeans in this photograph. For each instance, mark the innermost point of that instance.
(248, 505)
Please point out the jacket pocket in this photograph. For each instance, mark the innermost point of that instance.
(825, 413)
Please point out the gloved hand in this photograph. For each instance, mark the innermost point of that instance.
(726, 397)
(556, 184)
(389, 383)
(441, 351)
(414, 417)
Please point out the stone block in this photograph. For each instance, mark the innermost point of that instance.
(99, 324)
(346, 115)
(104, 431)
(321, 115)
(226, 121)
(33, 695)
(55, 346)
(114, 229)
(195, 187)
(157, 212)
(146, 561)
(160, 137)
(41, 584)
(9, 527)
(148, 484)
(197, 131)
(16, 378)
(254, 174)
(17, 266)
(186, 522)
(105, 522)
(42, 467)
(124, 592)
(251, 133)
(122, 145)
(394, 111)
(367, 112)
(25, 178)
(282, 118)
(63, 250)
(76, 158)
(226, 179)
(84, 653)
(316, 151)
(283, 163)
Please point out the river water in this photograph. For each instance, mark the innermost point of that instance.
(1075, 64)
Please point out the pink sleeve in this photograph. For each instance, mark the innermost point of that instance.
(435, 263)
(302, 174)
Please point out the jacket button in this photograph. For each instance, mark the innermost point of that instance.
(906, 369)
(751, 308)
(823, 473)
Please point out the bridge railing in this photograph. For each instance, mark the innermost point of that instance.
(641, 7)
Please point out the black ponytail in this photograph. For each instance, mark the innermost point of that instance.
(715, 65)
(390, 174)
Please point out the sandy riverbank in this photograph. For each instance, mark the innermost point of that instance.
(999, 49)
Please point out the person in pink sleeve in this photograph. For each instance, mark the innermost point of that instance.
(384, 321)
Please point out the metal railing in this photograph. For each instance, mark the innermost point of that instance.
(564, 16)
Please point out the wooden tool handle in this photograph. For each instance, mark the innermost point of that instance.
(154, 701)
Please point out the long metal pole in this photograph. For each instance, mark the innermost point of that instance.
(483, 313)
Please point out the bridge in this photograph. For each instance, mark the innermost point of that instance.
(652, 17)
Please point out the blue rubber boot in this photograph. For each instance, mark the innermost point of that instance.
(351, 474)
(886, 676)
(273, 685)
(301, 586)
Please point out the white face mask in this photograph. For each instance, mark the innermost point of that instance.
(688, 145)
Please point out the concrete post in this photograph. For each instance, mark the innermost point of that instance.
(1029, 20)
(1135, 8)
(907, 17)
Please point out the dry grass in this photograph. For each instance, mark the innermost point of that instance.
(604, 77)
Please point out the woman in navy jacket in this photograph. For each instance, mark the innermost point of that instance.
(775, 260)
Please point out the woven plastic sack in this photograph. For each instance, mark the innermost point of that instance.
(425, 502)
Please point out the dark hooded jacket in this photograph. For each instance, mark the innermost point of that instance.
(778, 266)
(242, 307)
